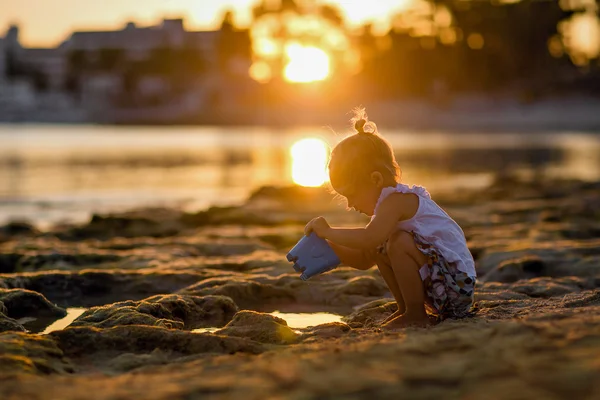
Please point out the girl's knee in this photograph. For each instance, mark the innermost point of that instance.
(400, 241)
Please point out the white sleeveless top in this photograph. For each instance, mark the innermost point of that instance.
(435, 226)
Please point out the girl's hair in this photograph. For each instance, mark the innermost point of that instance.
(358, 155)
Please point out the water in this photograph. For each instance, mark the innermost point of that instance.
(72, 314)
(294, 320)
(51, 174)
(304, 320)
(40, 325)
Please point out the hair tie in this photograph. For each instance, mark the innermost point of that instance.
(360, 125)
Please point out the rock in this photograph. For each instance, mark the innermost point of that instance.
(89, 288)
(85, 341)
(496, 291)
(355, 291)
(263, 328)
(168, 311)
(587, 266)
(585, 230)
(544, 287)
(513, 270)
(293, 198)
(472, 358)
(244, 292)
(220, 247)
(363, 286)
(326, 331)
(342, 289)
(126, 313)
(20, 303)
(32, 354)
(282, 241)
(256, 261)
(225, 216)
(129, 361)
(18, 228)
(9, 262)
(490, 260)
(146, 222)
(55, 261)
(371, 313)
(199, 312)
(584, 299)
(9, 324)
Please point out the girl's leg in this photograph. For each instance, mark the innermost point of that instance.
(390, 279)
(405, 260)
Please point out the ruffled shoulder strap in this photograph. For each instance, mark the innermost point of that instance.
(401, 188)
(418, 190)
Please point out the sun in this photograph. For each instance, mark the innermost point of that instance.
(306, 64)
(309, 162)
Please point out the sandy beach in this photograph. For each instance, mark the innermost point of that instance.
(179, 305)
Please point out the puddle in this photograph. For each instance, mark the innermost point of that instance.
(294, 320)
(37, 326)
(304, 320)
(205, 330)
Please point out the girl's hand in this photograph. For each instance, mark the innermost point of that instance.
(319, 226)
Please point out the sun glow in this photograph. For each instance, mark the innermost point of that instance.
(306, 63)
(309, 162)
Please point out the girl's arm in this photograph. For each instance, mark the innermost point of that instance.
(355, 258)
(396, 207)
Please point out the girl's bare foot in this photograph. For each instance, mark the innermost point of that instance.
(405, 320)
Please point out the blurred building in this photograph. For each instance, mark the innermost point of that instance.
(32, 83)
(14, 95)
(2, 61)
(162, 70)
(48, 64)
(45, 66)
(133, 74)
(138, 42)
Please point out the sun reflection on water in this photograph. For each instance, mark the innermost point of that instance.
(309, 162)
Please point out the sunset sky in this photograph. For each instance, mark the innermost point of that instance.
(49, 22)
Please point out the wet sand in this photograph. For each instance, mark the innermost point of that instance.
(181, 305)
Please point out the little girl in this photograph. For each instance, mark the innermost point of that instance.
(420, 251)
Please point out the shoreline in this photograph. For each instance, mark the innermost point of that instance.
(470, 114)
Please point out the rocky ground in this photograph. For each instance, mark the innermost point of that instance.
(151, 277)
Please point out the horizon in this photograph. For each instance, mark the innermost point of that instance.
(37, 30)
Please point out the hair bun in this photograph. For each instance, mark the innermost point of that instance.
(360, 125)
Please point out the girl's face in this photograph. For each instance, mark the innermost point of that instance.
(363, 198)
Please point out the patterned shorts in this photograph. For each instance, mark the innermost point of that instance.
(448, 291)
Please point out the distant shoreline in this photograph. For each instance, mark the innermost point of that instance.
(537, 127)
(467, 115)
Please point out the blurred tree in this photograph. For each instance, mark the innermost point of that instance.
(332, 14)
(436, 47)
(505, 43)
(278, 25)
(458, 46)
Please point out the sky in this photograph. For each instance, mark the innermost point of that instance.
(49, 22)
